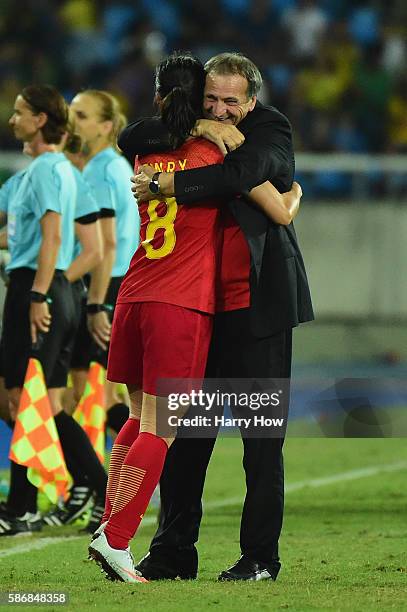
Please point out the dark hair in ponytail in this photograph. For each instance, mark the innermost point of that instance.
(180, 81)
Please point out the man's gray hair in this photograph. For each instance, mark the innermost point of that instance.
(236, 63)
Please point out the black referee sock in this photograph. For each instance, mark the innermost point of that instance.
(31, 499)
(116, 416)
(22, 496)
(77, 446)
(76, 471)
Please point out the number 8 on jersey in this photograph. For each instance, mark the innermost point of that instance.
(165, 222)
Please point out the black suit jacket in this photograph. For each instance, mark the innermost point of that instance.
(280, 297)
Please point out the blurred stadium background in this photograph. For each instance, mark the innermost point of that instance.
(335, 67)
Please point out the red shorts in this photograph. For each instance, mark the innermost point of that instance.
(153, 340)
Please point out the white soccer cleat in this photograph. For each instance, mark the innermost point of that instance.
(98, 531)
(117, 564)
(95, 535)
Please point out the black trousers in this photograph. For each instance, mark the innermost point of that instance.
(234, 353)
(85, 348)
(55, 349)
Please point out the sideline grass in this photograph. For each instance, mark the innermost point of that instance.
(343, 545)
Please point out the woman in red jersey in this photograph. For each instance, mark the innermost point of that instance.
(163, 319)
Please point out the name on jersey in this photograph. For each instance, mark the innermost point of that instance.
(169, 166)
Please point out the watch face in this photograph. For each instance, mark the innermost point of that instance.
(154, 186)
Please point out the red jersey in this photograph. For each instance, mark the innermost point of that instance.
(177, 257)
(233, 289)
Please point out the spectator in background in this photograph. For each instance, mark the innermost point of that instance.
(398, 118)
(164, 17)
(306, 24)
(118, 19)
(372, 91)
(320, 85)
(395, 50)
(346, 137)
(341, 50)
(86, 46)
(364, 23)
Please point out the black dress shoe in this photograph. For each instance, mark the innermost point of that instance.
(248, 569)
(169, 565)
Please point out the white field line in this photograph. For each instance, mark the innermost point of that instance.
(231, 501)
(33, 545)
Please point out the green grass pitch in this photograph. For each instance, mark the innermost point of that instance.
(343, 545)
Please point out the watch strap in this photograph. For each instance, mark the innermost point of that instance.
(95, 308)
(37, 296)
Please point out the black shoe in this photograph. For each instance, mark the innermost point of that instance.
(160, 565)
(247, 569)
(95, 518)
(5, 512)
(80, 499)
(24, 525)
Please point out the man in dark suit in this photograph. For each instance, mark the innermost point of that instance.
(251, 342)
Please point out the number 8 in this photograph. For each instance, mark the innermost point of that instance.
(166, 222)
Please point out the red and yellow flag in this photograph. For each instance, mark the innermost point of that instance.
(35, 442)
(90, 412)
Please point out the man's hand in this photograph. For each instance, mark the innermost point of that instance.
(226, 137)
(297, 188)
(99, 328)
(40, 319)
(292, 199)
(141, 182)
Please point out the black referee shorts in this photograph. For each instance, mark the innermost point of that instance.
(85, 349)
(55, 347)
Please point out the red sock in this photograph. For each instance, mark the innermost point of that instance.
(139, 477)
(125, 438)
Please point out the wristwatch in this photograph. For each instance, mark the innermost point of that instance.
(94, 308)
(154, 185)
(37, 297)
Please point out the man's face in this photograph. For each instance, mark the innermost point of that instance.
(24, 122)
(225, 98)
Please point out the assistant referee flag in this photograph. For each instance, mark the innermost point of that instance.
(35, 442)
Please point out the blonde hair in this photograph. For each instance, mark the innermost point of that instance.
(110, 110)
